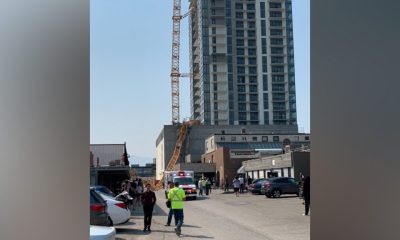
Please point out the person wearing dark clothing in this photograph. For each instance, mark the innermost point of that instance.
(306, 195)
(171, 212)
(148, 202)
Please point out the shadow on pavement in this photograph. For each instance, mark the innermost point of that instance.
(194, 236)
(118, 238)
(131, 231)
(190, 226)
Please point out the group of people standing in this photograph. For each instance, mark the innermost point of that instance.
(135, 189)
(204, 186)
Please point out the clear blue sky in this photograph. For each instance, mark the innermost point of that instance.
(130, 61)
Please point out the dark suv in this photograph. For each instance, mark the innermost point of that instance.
(275, 187)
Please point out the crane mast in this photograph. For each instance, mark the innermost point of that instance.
(175, 74)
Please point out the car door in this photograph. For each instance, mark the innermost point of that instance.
(293, 186)
(285, 186)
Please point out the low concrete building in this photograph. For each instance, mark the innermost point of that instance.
(109, 165)
(229, 151)
(292, 164)
(194, 145)
(149, 170)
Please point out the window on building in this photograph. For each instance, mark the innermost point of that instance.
(239, 15)
(241, 79)
(242, 97)
(240, 42)
(222, 138)
(252, 52)
(251, 42)
(265, 100)
(253, 98)
(307, 138)
(275, 23)
(255, 139)
(214, 68)
(266, 119)
(215, 96)
(251, 33)
(276, 50)
(250, 15)
(239, 6)
(242, 116)
(262, 9)
(264, 45)
(253, 70)
(275, 5)
(276, 32)
(242, 106)
(251, 25)
(241, 88)
(264, 138)
(252, 61)
(253, 79)
(278, 78)
(240, 60)
(244, 139)
(213, 21)
(275, 59)
(263, 28)
(239, 33)
(240, 51)
(254, 116)
(276, 69)
(215, 87)
(276, 41)
(265, 82)
(214, 40)
(275, 138)
(275, 14)
(241, 69)
(233, 138)
(214, 30)
(253, 107)
(215, 77)
(239, 24)
(264, 64)
(251, 6)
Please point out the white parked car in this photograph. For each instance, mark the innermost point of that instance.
(118, 211)
(102, 233)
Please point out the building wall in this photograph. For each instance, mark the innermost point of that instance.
(287, 165)
(195, 140)
(242, 61)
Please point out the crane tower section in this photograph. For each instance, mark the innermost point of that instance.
(175, 74)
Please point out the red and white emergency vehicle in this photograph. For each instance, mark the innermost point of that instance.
(185, 180)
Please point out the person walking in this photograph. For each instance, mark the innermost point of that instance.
(171, 212)
(200, 186)
(177, 196)
(148, 201)
(204, 185)
(226, 187)
(306, 195)
(236, 186)
(209, 185)
(241, 180)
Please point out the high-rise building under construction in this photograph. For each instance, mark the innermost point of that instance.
(242, 62)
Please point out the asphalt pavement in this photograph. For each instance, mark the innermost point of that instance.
(224, 216)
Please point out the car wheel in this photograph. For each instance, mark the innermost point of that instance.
(276, 193)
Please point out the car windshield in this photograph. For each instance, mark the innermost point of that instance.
(106, 191)
(184, 180)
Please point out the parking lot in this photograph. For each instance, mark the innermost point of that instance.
(224, 216)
